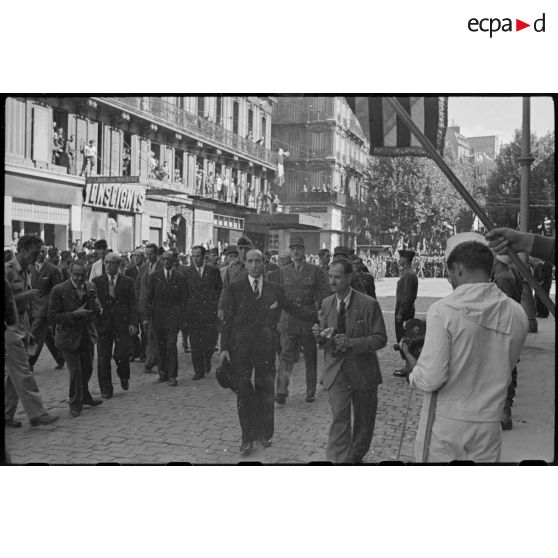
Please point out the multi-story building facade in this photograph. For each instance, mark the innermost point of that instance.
(471, 149)
(324, 163)
(170, 170)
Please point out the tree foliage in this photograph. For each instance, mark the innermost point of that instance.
(504, 183)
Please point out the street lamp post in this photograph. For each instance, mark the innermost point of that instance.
(527, 300)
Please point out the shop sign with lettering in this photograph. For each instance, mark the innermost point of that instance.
(118, 197)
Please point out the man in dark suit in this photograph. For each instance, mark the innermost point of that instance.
(116, 326)
(247, 341)
(44, 276)
(73, 306)
(351, 329)
(305, 284)
(151, 265)
(204, 287)
(133, 271)
(166, 305)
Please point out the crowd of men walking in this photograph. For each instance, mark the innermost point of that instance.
(262, 310)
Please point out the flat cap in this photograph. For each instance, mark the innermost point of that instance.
(231, 249)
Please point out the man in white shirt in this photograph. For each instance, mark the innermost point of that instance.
(89, 158)
(473, 340)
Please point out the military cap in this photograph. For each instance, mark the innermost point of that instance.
(409, 254)
(243, 241)
(296, 241)
(457, 239)
(323, 251)
(231, 249)
(213, 251)
(341, 251)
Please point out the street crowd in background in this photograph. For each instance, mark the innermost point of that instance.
(262, 306)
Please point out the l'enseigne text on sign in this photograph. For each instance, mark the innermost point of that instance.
(119, 197)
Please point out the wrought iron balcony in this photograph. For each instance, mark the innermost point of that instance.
(194, 125)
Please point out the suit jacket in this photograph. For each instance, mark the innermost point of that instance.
(367, 331)
(69, 329)
(142, 285)
(166, 301)
(43, 281)
(203, 295)
(118, 313)
(307, 288)
(249, 324)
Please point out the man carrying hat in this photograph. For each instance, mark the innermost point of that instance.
(305, 284)
(405, 296)
(473, 339)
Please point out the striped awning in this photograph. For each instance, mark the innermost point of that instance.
(388, 134)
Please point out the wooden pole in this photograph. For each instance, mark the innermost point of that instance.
(471, 202)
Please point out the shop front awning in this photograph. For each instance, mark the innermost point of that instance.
(282, 221)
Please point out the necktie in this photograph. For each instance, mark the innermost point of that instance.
(167, 272)
(256, 289)
(112, 289)
(200, 270)
(341, 319)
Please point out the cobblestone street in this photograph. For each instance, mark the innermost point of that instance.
(197, 422)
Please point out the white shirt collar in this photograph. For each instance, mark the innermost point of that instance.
(347, 299)
(260, 282)
(200, 269)
(115, 277)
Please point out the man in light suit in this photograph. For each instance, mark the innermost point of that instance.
(351, 330)
(116, 326)
(73, 306)
(44, 276)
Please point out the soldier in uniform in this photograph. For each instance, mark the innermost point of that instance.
(235, 272)
(269, 266)
(405, 297)
(306, 285)
(325, 258)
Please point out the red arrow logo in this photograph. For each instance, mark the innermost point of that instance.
(519, 25)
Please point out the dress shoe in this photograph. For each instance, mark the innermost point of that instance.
(198, 376)
(106, 395)
(401, 373)
(265, 443)
(246, 448)
(310, 398)
(173, 382)
(125, 384)
(44, 419)
(280, 399)
(31, 364)
(131, 359)
(147, 370)
(75, 412)
(93, 402)
(59, 366)
(163, 379)
(13, 423)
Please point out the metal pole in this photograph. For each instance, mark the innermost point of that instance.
(527, 300)
(471, 202)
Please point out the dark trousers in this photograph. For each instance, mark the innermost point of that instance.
(80, 367)
(346, 444)
(511, 392)
(106, 343)
(140, 342)
(400, 331)
(542, 310)
(168, 353)
(255, 402)
(42, 333)
(203, 338)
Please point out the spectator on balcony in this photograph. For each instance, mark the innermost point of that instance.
(57, 145)
(153, 164)
(164, 171)
(199, 180)
(68, 155)
(274, 202)
(250, 136)
(261, 141)
(210, 185)
(234, 191)
(177, 176)
(315, 188)
(89, 158)
(126, 161)
(304, 192)
(219, 186)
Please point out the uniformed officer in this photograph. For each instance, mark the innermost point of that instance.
(306, 285)
(405, 296)
(236, 271)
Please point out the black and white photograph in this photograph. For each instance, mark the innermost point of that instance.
(282, 279)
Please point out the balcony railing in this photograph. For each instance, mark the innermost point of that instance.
(321, 197)
(197, 126)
